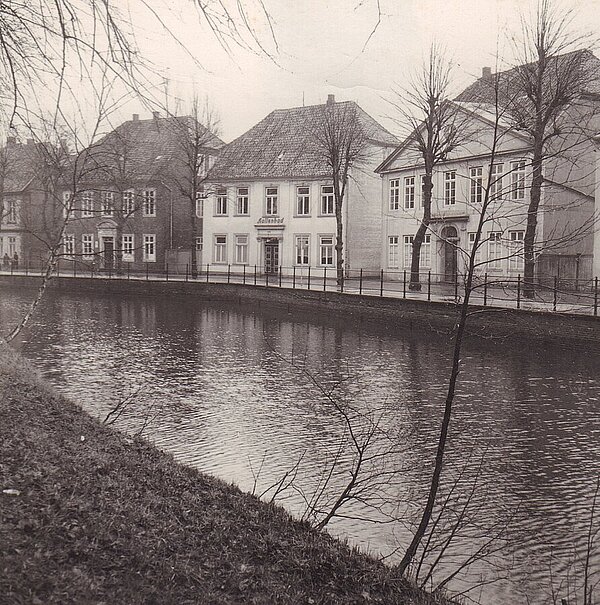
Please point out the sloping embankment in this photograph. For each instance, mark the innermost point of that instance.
(88, 515)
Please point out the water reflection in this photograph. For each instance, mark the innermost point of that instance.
(223, 389)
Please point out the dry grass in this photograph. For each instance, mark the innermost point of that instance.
(101, 518)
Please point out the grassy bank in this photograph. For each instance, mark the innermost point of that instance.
(88, 515)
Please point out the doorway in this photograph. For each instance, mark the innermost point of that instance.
(271, 256)
(108, 252)
(450, 253)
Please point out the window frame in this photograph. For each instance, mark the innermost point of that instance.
(128, 251)
(326, 246)
(107, 204)
(241, 247)
(68, 246)
(302, 250)
(220, 247)
(221, 206)
(149, 202)
(128, 202)
(327, 199)
(394, 194)
(517, 179)
(302, 201)
(495, 261)
(393, 252)
(409, 192)
(242, 200)
(516, 260)
(272, 201)
(450, 188)
(149, 239)
(476, 184)
(87, 239)
(496, 181)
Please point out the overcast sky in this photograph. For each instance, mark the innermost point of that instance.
(321, 50)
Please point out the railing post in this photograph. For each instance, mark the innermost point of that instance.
(555, 293)
(146, 271)
(360, 282)
(58, 268)
(381, 283)
(519, 291)
(187, 268)
(207, 272)
(595, 297)
(167, 269)
(429, 286)
(342, 281)
(404, 284)
(456, 288)
(308, 280)
(255, 275)
(244, 275)
(26, 268)
(280, 272)
(110, 271)
(228, 273)
(128, 270)
(324, 279)
(294, 278)
(74, 269)
(485, 284)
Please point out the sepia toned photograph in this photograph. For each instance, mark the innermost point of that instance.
(299, 302)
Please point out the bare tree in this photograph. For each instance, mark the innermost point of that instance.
(342, 141)
(437, 127)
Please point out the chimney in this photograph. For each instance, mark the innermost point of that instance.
(156, 115)
(136, 117)
(486, 73)
(330, 99)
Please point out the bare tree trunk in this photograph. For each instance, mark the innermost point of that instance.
(339, 245)
(535, 193)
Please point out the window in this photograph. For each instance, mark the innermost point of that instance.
(496, 181)
(11, 211)
(424, 254)
(12, 246)
(495, 250)
(471, 244)
(516, 261)
(68, 245)
(302, 250)
(199, 243)
(450, 188)
(327, 200)
(517, 180)
(128, 205)
(87, 204)
(108, 203)
(393, 251)
(326, 250)
(241, 249)
(243, 198)
(271, 194)
(221, 202)
(409, 192)
(149, 248)
(302, 201)
(127, 246)
(67, 200)
(394, 194)
(149, 202)
(220, 252)
(87, 245)
(476, 184)
(199, 203)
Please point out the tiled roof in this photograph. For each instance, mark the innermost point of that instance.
(283, 145)
(144, 149)
(19, 164)
(482, 90)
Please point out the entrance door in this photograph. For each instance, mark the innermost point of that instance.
(271, 256)
(108, 256)
(450, 239)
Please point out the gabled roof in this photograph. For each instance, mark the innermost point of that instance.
(146, 149)
(19, 165)
(283, 145)
(482, 90)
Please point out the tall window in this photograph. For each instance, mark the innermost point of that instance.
(326, 250)
(425, 252)
(68, 245)
(108, 203)
(11, 211)
(199, 201)
(271, 195)
(221, 202)
(128, 206)
(149, 202)
(393, 251)
(302, 250)
(87, 204)
(241, 249)
(67, 201)
(127, 247)
(409, 192)
(327, 200)
(394, 194)
(303, 201)
(149, 248)
(471, 244)
(517, 180)
(243, 201)
(450, 188)
(220, 250)
(476, 184)
(516, 239)
(496, 181)
(87, 245)
(495, 250)
(12, 246)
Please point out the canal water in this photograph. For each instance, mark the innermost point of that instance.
(281, 403)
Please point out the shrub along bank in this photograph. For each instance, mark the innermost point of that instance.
(88, 515)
